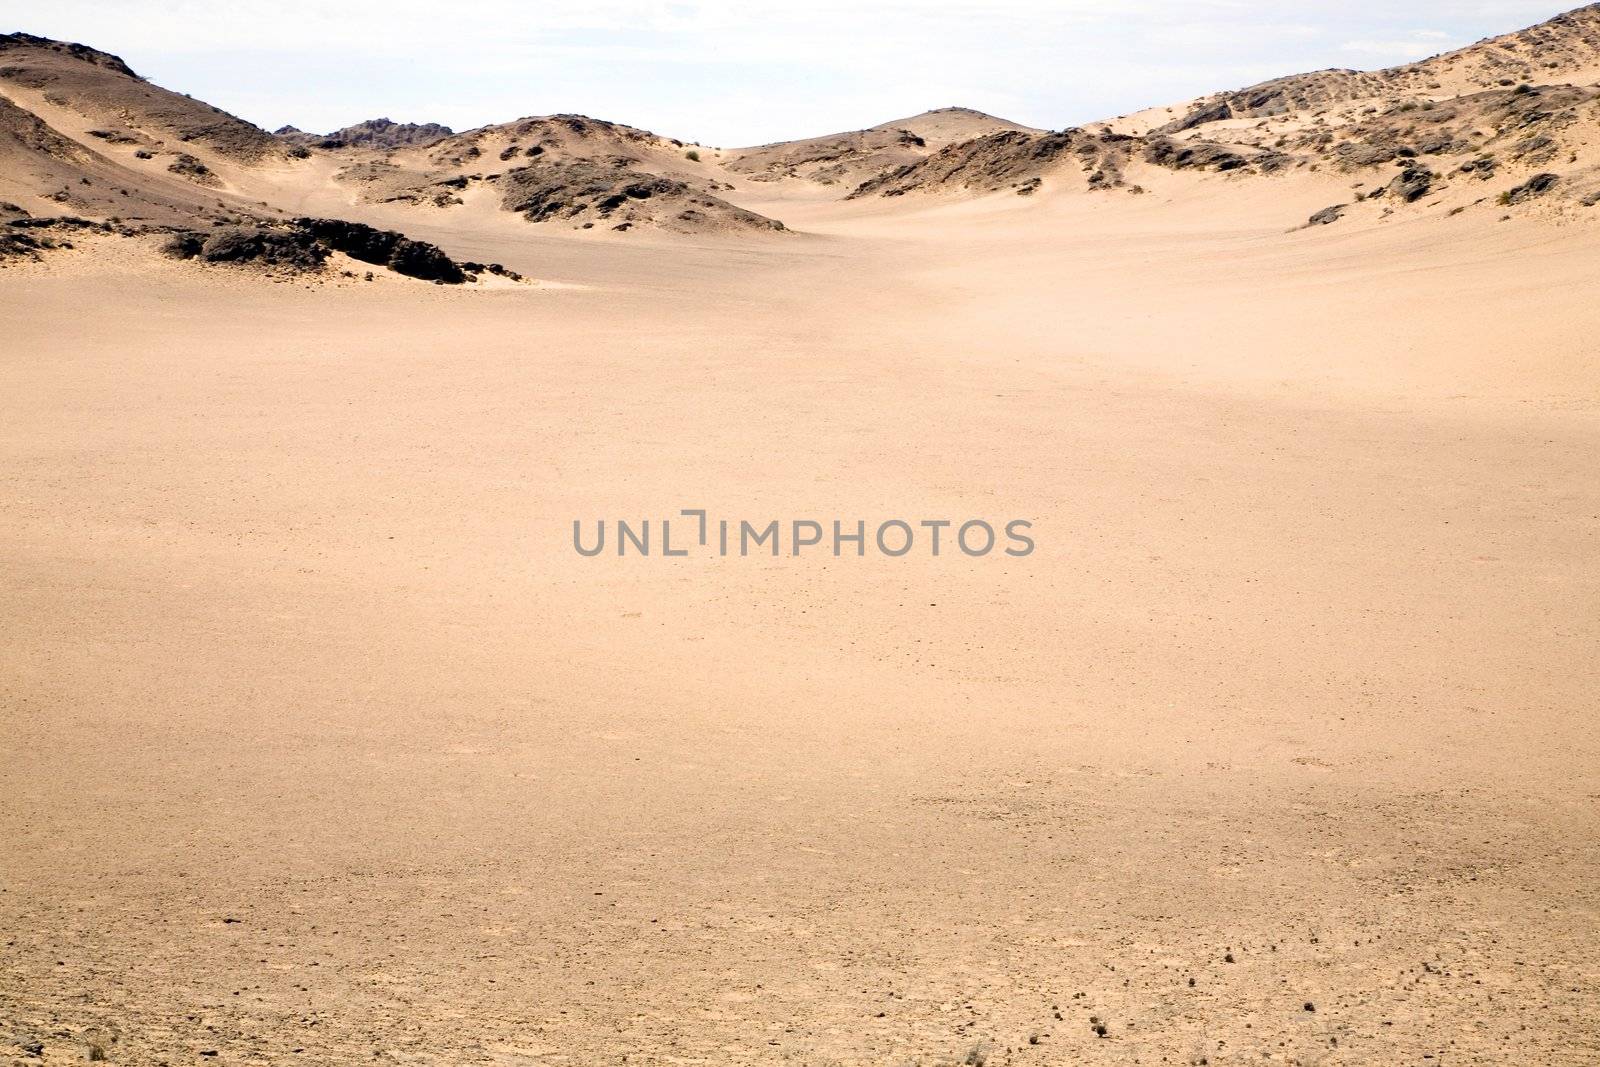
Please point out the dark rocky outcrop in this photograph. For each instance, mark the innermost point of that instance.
(1213, 111)
(389, 248)
(24, 236)
(193, 169)
(1535, 186)
(23, 242)
(1410, 185)
(305, 245)
(1198, 155)
(499, 270)
(1354, 155)
(291, 249)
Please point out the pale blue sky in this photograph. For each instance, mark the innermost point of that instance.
(729, 73)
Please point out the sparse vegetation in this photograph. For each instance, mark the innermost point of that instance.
(692, 156)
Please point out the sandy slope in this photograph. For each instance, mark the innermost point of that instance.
(325, 746)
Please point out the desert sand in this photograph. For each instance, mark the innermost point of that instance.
(325, 746)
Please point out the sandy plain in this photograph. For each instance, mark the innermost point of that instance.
(324, 745)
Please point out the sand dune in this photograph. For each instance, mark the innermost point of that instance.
(326, 746)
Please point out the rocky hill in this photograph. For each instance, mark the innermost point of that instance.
(88, 149)
(98, 91)
(1507, 123)
(373, 133)
(562, 170)
(848, 159)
